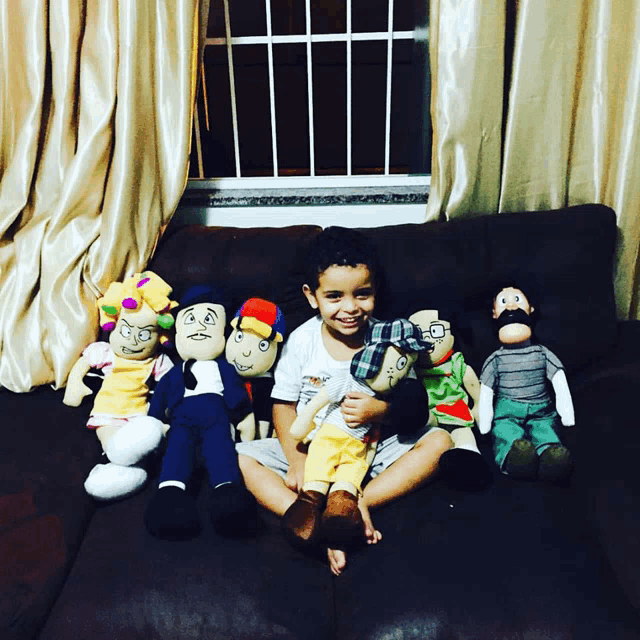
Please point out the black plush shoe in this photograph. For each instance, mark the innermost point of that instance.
(342, 524)
(465, 469)
(172, 514)
(233, 510)
(522, 460)
(555, 463)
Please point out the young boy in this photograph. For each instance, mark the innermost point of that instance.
(340, 283)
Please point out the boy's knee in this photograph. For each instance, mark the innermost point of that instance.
(436, 442)
(246, 464)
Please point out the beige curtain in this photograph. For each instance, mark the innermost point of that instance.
(96, 103)
(553, 122)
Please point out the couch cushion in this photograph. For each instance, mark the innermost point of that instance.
(128, 585)
(260, 262)
(45, 456)
(569, 255)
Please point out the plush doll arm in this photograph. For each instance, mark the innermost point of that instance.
(303, 424)
(485, 409)
(564, 404)
(76, 388)
(472, 387)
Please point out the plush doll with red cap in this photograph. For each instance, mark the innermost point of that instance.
(136, 312)
(252, 348)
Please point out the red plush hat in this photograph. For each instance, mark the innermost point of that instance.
(261, 317)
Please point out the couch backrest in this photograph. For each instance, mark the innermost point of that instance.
(568, 253)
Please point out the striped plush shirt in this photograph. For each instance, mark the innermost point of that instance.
(520, 373)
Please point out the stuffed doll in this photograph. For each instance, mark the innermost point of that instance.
(136, 312)
(339, 456)
(449, 381)
(514, 395)
(252, 348)
(199, 398)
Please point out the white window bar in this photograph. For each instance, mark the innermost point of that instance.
(387, 125)
(232, 85)
(312, 154)
(272, 91)
(349, 35)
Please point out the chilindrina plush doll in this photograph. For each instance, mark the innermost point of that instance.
(136, 312)
(252, 348)
(449, 382)
(200, 398)
(514, 395)
(339, 456)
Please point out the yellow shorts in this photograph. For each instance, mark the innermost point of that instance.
(334, 456)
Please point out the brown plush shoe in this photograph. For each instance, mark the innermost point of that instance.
(522, 460)
(555, 463)
(301, 521)
(342, 522)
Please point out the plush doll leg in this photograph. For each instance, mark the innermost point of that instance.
(514, 454)
(463, 466)
(112, 481)
(232, 508)
(131, 442)
(555, 461)
(342, 523)
(172, 513)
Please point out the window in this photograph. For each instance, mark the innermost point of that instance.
(299, 93)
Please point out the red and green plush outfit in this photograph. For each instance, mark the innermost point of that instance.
(448, 401)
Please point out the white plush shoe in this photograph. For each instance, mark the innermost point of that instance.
(112, 481)
(134, 440)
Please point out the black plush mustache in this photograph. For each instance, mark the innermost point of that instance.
(517, 316)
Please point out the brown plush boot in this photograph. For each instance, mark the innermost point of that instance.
(301, 521)
(522, 460)
(342, 522)
(555, 463)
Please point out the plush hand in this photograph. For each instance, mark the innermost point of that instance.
(485, 409)
(564, 404)
(75, 392)
(247, 428)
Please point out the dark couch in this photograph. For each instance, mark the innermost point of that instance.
(518, 560)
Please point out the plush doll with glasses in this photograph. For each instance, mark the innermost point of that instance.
(451, 383)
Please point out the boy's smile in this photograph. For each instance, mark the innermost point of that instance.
(345, 298)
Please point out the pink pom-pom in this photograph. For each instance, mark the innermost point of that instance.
(130, 303)
(109, 326)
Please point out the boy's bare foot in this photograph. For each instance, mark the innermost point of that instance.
(337, 557)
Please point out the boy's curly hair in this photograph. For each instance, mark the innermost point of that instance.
(342, 247)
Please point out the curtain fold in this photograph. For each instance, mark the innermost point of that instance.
(564, 105)
(96, 107)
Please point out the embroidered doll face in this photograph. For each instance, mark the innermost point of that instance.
(512, 311)
(435, 331)
(395, 366)
(200, 331)
(250, 353)
(135, 335)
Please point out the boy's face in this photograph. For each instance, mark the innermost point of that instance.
(395, 366)
(200, 331)
(135, 335)
(250, 354)
(345, 298)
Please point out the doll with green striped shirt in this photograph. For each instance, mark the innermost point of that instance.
(515, 401)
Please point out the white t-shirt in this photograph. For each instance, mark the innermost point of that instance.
(304, 367)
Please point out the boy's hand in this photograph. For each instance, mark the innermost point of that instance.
(295, 475)
(360, 408)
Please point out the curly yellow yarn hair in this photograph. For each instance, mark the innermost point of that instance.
(131, 294)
